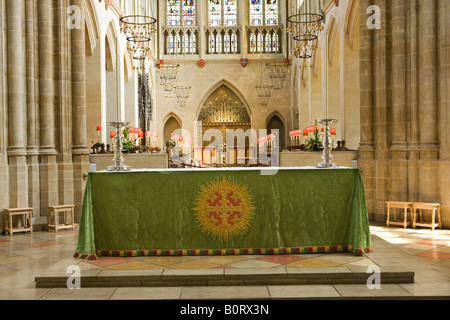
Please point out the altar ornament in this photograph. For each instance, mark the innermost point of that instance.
(148, 139)
(327, 144)
(292, 137)
(99, 129)
(333, 135)
(118, 145)
(112, 135)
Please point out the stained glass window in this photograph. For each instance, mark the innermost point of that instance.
(173, 13)
(222, 13)
(230, 16)
(189, 13)
(263, 12)
(271, 12)
(181, 13)
(256, 13)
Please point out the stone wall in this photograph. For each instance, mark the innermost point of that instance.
(404, 104)
(43, 148)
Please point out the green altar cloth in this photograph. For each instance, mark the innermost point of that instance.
(224, 212)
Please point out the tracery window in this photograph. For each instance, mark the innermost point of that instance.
(264, 12)
(181, 13)
(222, 13)
(222, 31)
(264, 31)
(181, 30)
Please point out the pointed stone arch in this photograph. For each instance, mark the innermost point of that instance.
(110, 43)
(230, 86)
(276, 121)
(171, 123)
(351, 20)
(333, 32)
(92, 26)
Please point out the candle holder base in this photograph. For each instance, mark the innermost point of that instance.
(327, 162)
(118, 145)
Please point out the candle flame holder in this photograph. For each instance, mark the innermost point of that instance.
(327, 144)
(118, 145)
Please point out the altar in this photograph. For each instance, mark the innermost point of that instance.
(227, 211)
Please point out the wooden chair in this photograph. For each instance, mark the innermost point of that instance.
(434, 207)
(399, 205)
(26, 214)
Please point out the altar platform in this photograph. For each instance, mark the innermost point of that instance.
(229, 211)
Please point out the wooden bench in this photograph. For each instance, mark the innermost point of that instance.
(399, 205)
(434, 207)
(26, 214)
(53, 217)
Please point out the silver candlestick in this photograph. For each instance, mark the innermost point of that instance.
(327, 144)
(118, 145)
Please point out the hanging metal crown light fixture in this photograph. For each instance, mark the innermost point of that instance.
(168, 75)
(305, 28)
(264, 93)
(138, 27)
(138, 30)
(182, 93)
(277, 72)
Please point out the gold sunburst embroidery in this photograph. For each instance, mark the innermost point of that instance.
(224, 208)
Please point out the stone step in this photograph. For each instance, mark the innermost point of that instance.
(224, 277)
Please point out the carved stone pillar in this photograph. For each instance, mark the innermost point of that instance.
(48, 165)
(32, 147)
(398, 126)
(18, 170)
(414, 127)
(428, 93)
(80, 151)
(428, 100)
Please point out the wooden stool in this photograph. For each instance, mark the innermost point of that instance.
(26, 214)
(398, 205)
(434, 207)
(54, 211)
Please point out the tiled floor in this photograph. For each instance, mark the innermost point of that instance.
(423, 251)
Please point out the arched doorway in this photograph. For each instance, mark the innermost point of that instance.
(275, 123)
(172, 123)
(222, 111)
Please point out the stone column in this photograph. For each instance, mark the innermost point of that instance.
(398, 163)
(32, 147)
(4, 180)
(103, 99)
(63, 123)
(444, 156)
(80, 151)
(47, 150)
(18, 170)
(428, 101)
(414, 127)
(367, 84)
(382, 87)
(366, 152)
(47, 86)
(428, 88)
